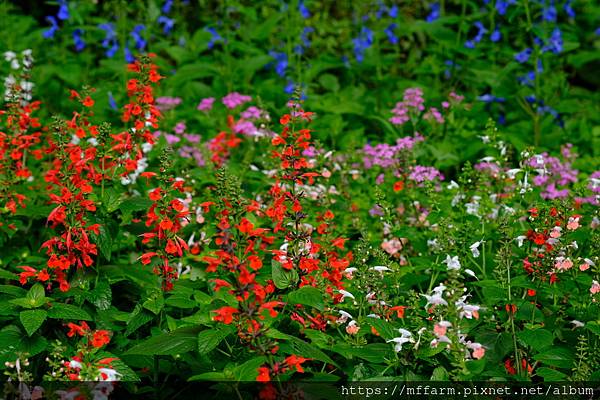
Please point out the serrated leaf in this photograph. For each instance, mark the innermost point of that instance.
(177, 342)
(32, 320)
(137, 321)
(537, 339)
(248, 371)
(557, 357)
(283, 278)
(36, 295)
(68, 311)
(209, 339)
(307, 295)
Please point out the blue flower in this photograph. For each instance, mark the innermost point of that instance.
(128, 56)
(568, 9)
(523, 56)
(49, 33)
(502, 5)
(597, 32)
(496, 35)
(281, 62)
(166, 8)
(393, 11)
(168, 23)
(111, 101)
(140, 43)
(305, 41)
(214, 38)
(449, 66)
(490, 98)
(389, 31)
(549, 13)
(540, 67)
(63, 10)
(555, 44)
(303, 10)
(362, 42)
(110, 40)
(434, 14)
(481, 31)
(77, 40)
(527, 79)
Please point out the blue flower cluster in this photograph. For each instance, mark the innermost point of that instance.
(63, 15)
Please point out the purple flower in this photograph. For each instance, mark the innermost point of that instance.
(281, 62)
(421, 173)
(140, 43)
(165, 103)
(206, 104)
(111, 101)
(252, 113)
(362, 42)
(179, 128)
(232, 100)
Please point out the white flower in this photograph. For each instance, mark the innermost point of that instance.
(511, 173)
(452, 262)
(379, 268)
(350, 270)
(111, 374)
(471, 273)
(75, 364)
(577, 324)
(344, 317)
(475, 249)
(404, 332)
(373, 316)
(399, 342)
(520, 240)
(452, 185)
(346, 294)
(9, 55)
(435, 300)
(487, 159)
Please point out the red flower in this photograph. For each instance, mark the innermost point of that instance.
(100, 338)
(294, 361)
(531, 292)
(225, 314)
(147, 257)
(75, 329)
(245, 226)
(263, 375)
(255, 263)
(398, 186)
(88, 102)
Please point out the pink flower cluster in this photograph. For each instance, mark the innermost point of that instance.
(234, 99)
(385, 155)
(167, 103)
(552, 173)
(412, 103)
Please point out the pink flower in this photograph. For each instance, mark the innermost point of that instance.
(206, 104)
(573, 223)
(595, 287)
(478, 353)
(232, 100)
(352, 328)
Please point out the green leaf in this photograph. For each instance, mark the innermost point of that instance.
(557, 357)
(14, 341)
(137, 320)
(36, 296)
(177, 342)
(209, 339)
(135, 204)
(210, 376)
(155, 302)
(283, 278)
(32, 320)
(104, 241)
(551, 374)
(537, 339)
(299, 346)
(307, 295)
(68, 311)
(101, 296)
(248, 371)
(440, 374)
(4, 274)
(111, 200)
